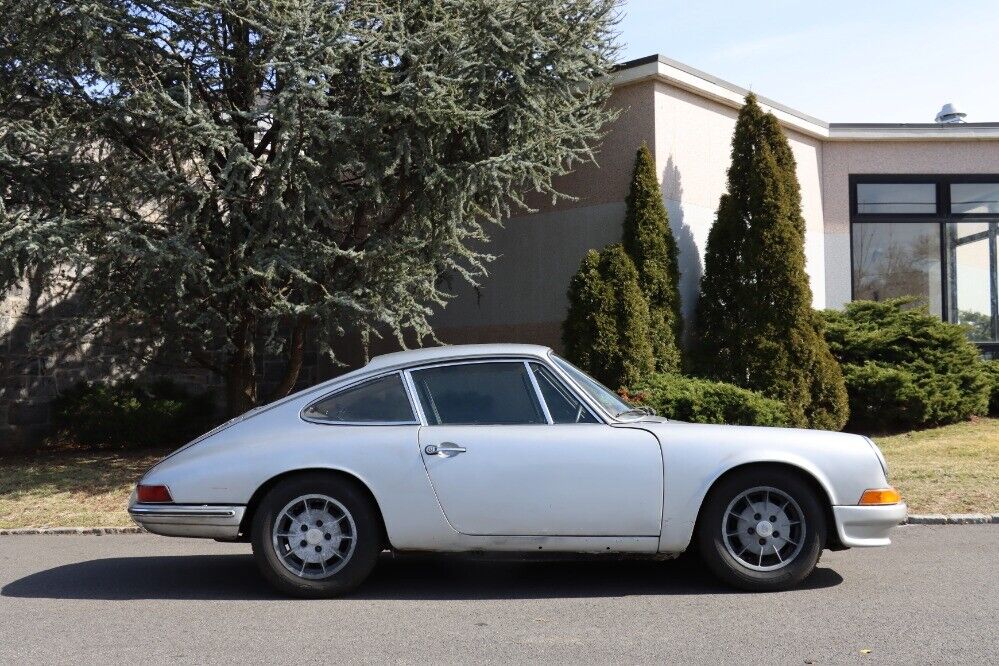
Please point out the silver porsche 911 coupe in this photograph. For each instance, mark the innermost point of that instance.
(510, 448)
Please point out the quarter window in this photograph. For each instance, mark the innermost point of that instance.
(382, 400)
(478, 394)
(563, 406)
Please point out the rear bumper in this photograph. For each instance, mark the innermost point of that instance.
(863, 526)
(189, 520)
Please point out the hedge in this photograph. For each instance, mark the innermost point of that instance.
(704, 401)
(127, 415)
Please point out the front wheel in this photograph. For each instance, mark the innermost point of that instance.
(316, 536)
(762, 529)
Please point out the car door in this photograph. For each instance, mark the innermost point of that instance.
(504, 462)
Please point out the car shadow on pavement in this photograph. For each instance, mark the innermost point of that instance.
(410, 577)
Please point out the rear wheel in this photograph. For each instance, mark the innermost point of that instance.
(762, 529)
(316, 536)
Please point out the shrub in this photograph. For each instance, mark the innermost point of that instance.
(129, 415)
(904, 367)
(649, 241)
(705, 401)
(992, 370)
(606, 332)
(755, 323)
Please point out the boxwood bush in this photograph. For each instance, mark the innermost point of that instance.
(127, 414)
(704, 401)
(904, 367)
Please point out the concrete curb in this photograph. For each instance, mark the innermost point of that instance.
(63, 531)
(953, 519)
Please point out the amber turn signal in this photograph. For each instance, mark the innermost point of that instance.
(880, 496)
(153, 494)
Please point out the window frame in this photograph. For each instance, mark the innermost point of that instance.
(943, 217)
(357, 384)
(525, 362)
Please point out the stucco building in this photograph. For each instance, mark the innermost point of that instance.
(891, 209)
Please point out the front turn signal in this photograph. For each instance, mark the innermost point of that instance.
(880, 496)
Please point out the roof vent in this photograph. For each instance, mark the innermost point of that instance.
(950, 115)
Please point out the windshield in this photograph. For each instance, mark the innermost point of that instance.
(600, 393)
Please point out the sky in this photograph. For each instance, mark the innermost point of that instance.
(843, 61)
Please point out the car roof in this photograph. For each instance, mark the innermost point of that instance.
(450, 352)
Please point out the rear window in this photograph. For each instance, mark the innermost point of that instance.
(382, 400)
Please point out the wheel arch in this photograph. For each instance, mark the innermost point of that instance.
(820, 489)
(258, 495)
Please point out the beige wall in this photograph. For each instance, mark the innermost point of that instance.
(840, 159)
(693, 148)
(524, 296)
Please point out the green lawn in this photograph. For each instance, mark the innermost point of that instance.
(954, 469)
(70, 489)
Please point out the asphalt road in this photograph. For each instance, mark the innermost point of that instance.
(139, 599)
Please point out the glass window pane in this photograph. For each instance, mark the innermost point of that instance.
(970, 279)
(478, 393)
(898, 259)
(378, 401)
(974, 198)
(884, 198)
(597, 391)
(562, 404)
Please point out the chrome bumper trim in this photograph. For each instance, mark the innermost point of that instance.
(866, 526)
(189, 520)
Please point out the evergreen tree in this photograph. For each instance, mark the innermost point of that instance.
(606, 332)
(755, 324)
(232, 177)
(649, 241)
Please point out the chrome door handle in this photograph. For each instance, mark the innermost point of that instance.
(444, 450)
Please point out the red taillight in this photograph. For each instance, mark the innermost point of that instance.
(153, 494)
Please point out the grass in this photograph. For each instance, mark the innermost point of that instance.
(70, 488)
(953, 469)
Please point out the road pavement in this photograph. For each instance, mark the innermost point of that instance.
(932, 597)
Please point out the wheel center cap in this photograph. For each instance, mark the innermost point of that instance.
(313, 536)
(764, 528)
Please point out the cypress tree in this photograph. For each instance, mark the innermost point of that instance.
(649, 241)
(755, 324)
(606, 332)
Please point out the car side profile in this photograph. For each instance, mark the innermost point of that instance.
(510, 448)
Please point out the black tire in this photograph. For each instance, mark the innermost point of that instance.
(730, 569)
(360, 562)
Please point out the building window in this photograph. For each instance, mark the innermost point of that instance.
(933, 238)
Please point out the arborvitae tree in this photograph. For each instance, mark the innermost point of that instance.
(755, 324)
(606, 332)
(649, 241)
(233, 177)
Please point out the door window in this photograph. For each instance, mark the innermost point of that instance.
(478, 394)
(562, 404)
(382, 400)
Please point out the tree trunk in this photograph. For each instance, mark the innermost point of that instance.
(241, 375)
(296, 355)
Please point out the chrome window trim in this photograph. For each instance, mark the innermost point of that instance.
(356, 384)
(572, 390)
(475, 361)
(538, 393)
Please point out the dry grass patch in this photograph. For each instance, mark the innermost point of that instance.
(953, 469)
(70, 489)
